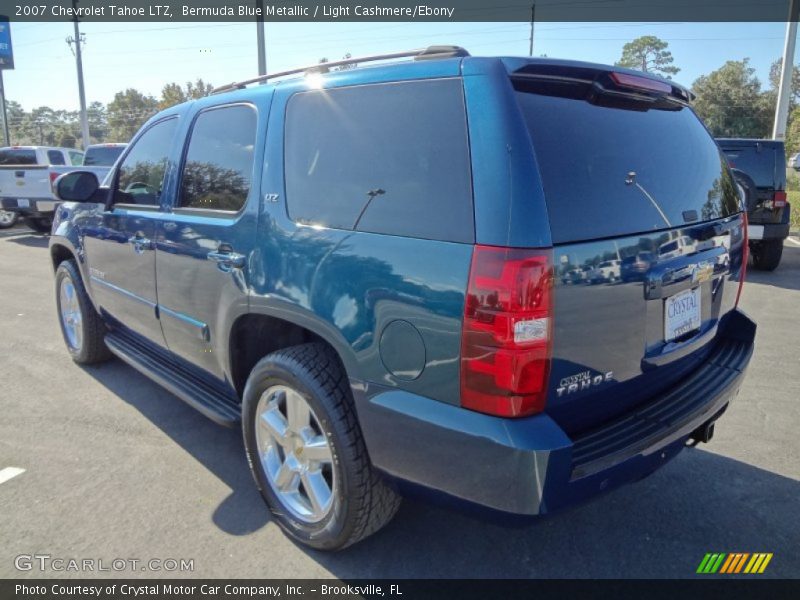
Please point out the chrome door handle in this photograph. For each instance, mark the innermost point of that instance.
(226, 259)
(140, 243)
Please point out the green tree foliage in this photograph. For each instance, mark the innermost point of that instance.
(775, 79)
(792, 140)
(117, 122)
(15, 114)
(127, 113)
(173, 93)
(98, 122)
(731, 103)
(648, 53)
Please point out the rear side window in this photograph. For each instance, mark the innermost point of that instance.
(219, 161)
(17, 156)
(385, 158)
(610, 171)
(55, 157)
(141, 174)
(102, 156)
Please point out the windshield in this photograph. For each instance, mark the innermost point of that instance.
(609, 171)
(102, 156)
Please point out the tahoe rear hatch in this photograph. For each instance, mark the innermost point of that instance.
(630, 174)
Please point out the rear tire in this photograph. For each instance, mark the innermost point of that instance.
(83, 330)
(357, 502)
(40, 224)
(8, 219)
(767, 254)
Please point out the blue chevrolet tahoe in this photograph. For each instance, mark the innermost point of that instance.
(370, 271)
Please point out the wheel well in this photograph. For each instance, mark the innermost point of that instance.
(59, 254)
(255, 336)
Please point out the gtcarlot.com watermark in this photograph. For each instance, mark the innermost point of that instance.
(48, 563)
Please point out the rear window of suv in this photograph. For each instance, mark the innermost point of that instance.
(609, 171)
(102, 156)
(762, 162)
(17, 156)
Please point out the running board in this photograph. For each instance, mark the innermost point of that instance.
(218, 405)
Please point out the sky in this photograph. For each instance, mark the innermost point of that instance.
(146, 56)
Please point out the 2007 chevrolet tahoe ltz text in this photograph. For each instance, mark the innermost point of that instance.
(372, 271)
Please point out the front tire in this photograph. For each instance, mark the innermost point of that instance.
(83, 329)
(767, 255)
(306, 452)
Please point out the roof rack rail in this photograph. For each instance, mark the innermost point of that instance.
(429, 53)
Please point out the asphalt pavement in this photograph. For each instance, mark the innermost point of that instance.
(117, 468)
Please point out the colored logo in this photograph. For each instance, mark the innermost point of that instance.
(736, 562)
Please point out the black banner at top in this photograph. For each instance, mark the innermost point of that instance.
(399, 10)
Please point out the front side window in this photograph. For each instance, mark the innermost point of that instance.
(75, 158)
(141, 174)
(219, 161)
(385, 158)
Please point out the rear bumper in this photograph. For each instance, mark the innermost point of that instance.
(768, 231)
(758, 230)
(29, 207)
(530, 466)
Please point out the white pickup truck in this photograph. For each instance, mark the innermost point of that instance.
(27, 174)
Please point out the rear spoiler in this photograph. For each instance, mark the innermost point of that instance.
(605, 81)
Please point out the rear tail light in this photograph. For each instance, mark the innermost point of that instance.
(779, 199)
(53, 177)
(745, 257)
(507, 333)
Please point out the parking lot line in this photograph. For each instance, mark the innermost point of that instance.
(10, 473)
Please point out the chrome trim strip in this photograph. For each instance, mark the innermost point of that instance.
(203, 330)
(122, 291)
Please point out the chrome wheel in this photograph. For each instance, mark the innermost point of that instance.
(7, 218)
(70, 312)
(295, 454)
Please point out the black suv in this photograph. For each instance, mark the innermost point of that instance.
(759, 167)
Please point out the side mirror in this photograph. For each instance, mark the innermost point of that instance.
(78, 186)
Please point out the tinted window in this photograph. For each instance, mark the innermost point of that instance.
(55, 157)
(141, 174)
(219, 161)
(759, 161)
(389, 158)
(76, 158)
(17, 156)
(609, 171)
(102, 156)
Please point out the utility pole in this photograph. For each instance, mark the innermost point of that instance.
(262, 50)
(533, 19)
(78, 40)
(787, 69)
